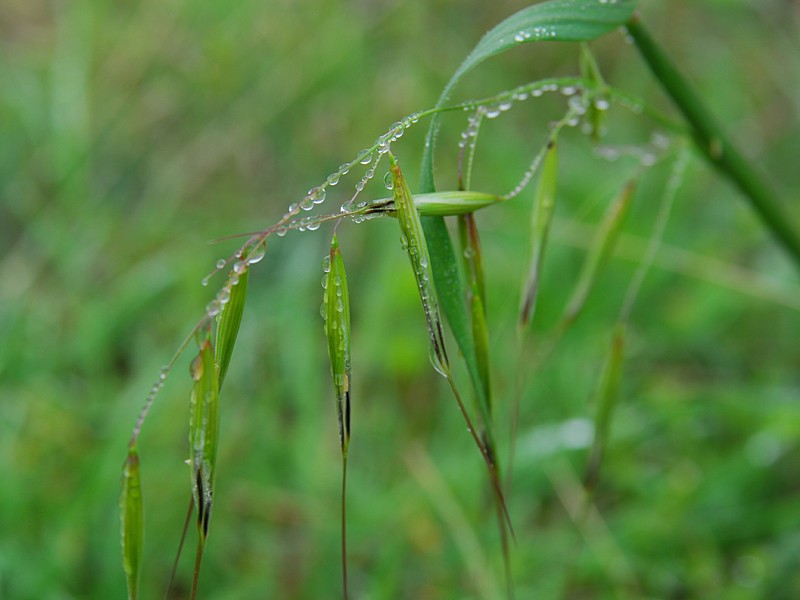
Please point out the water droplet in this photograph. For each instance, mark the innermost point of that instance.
(313, 225)
(239, 267)
(212, 308)
(257, 252)
(223, 296)
(388, 181)
(364, 157)
(221, 263)
(317, 195)
(601, 104)
(520, 37)
(234, 279)
(344, 169)
(333, 178)
(307, 203)
(504, 106)
(293, 208)
(339, 305)
(492, 113)
(403, 241)
(537, 92)
(326, 263)
(205, 280)
(360, 185)
(323, 312)
(324, 282)
(568, 90)
(280, 232)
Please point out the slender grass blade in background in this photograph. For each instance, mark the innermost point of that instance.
(598, 255)
(712, 141)
(606, 401)
(336, 304)
(131, 510)
(543, 208)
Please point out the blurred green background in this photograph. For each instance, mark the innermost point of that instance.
(131, 133)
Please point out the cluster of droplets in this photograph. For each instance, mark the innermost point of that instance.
(647, 154)
(250, 254)
(371, 157)
(158, 384)
(535, 34)
(337, 284)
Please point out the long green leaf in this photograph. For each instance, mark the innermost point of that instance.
(557, 20)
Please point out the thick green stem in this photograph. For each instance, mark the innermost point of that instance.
(715, 146)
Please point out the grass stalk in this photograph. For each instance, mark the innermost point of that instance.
(712, 142)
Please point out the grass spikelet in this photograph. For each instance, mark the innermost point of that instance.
(336, 302)
(131, 511)
(450, 203)
(413, 241)
(543, 208)
(601, 249)
(230, 318)
(203, 438)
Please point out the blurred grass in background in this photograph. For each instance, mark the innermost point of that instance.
(133, 132)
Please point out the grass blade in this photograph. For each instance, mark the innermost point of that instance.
(543, 208)
(554, 21)
(131, 509)
(601, 249)
(711, 140)
(336, 301)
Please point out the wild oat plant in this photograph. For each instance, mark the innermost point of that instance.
(450, 280)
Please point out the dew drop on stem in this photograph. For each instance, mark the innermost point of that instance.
(257, 253)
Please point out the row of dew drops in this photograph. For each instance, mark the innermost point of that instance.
(369, 158)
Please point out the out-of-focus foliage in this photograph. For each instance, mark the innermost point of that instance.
(132, 133)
